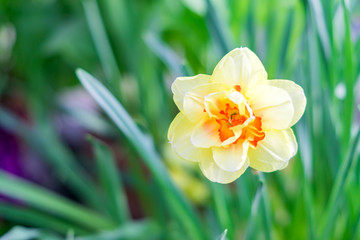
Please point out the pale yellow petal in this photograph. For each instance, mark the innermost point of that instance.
(231, 158)
(273, 105)
(274, 151)
(195, 98)
(213, 103)
(215, 174)
(179, 136)
(206, 134)
(239, 67)
(182, 85)
(297, 96)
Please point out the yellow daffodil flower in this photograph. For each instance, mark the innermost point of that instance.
(236, 118)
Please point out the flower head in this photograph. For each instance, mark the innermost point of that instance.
(236, 118)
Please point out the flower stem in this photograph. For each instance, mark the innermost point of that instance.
(265, 211)
(260, 203)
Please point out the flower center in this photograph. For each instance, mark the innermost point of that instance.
(236, 115)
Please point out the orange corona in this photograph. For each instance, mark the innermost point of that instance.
(231, 117)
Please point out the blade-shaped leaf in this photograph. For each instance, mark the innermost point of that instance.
(34, 218)
(47, 143)
(111, 183)
(43, 199)
(329, 217)
(144, 146)
(132, 230)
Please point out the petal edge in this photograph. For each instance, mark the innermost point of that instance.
(181, 85)
(274, 151)
(297, 96)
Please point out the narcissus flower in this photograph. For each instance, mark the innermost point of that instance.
(236, 118)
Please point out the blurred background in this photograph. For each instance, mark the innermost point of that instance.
(68, 172)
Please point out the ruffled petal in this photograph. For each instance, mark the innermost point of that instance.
(215, 174)
(233, 157)
(273, 105)
(297, 96)
(206, 134)
(213, 103)
(182, 85)
(239, 67)
(274, 151)
(179, 136)
(194, 100)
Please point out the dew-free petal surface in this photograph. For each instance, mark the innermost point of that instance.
(194, 100)
(239, 67)
(297, 96)
(273, 105)
(206, 134)
(215, 174)
(231, 158)
(179, 136)
(274, 151)
(182, 85)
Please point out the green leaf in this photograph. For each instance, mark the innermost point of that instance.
(265, 210)
(47, 201)
(45, 142)
(349, 75)
(329, 218)
(250, 229)
(21, 233)
(30, 217)
(115, 196)
(223, 235)
(216, 29)
(318, 14)
(132, 230)
(259, 207)
(143, 144)
(221, 207)
(166, 54)
(102, 43)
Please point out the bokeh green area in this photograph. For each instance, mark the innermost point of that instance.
(70, 170)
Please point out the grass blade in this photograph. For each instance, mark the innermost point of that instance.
(265, 211)
(102, 43)
(221, 208)
(34, 218)
(318, 13)
(111, 182)
(306, 163)
(134, 230)
(349, 75)
(144, 146)
(329, 217)
(215, 29)
(47, 143)
(223, 235)
(21, 233)
(43, 199)
(165, 53)
(254, 209)
(259, 204)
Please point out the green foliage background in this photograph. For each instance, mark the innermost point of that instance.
(136, 48)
